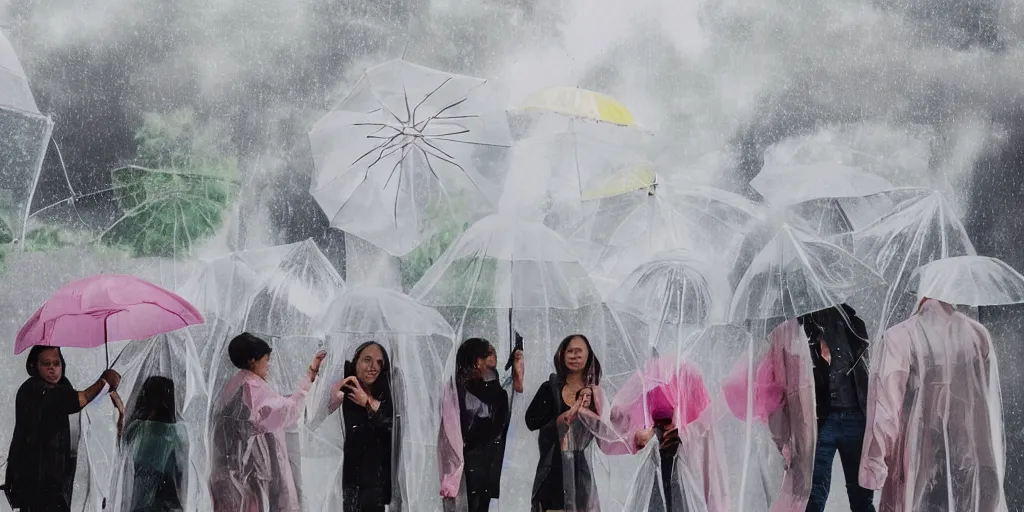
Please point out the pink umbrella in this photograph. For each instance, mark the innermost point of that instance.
(96, 310)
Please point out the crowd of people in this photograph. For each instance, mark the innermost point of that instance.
(815, 390)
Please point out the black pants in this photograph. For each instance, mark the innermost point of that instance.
(47, 503)
(363, 499)
(478, 503)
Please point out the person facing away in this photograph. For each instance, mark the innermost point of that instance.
(250, 469)
(474, 447)
(839, 348)
(40, 464)
(367, 409)
(566, 411)
(156, 447)
(935, 434)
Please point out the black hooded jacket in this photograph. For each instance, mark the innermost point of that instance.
(829, 324)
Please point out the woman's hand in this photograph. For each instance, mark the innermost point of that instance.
(112, 378)
(518, 370)
(357, 394)
(314, 367)
(586, 397)
(642, 437)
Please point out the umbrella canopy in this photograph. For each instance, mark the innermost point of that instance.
(795, 184)
(797, 273)
(622, 232)
(969, 280)
(581, 103)
(24, 136)
(920, 229)
(663, 300)
(504, 262)
(105, 308)
(399, 155)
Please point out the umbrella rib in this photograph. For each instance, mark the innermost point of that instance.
(435, 148)
(484, 144)
(446, 108)
(448, 134)
(427, 97)
(408, 112)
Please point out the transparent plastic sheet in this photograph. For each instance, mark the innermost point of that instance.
(396, 157)
(418, 342)
(920, 229)
(797, 273)
(778, 391)
(935, 437)
(26, 136)
(161, 458)
(969, 280)
(621, 232)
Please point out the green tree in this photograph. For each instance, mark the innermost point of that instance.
(176, 192)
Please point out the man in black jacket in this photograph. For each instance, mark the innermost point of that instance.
(839, 347)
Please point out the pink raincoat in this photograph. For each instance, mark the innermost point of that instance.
(251, 471)
(935, 434)
(677, 389)
(783, 398)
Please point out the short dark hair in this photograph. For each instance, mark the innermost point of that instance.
(245, 348)
(469, 352)
(591, 370)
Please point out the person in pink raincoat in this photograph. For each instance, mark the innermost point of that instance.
(783, 397)
(566, 412)
(673, 409)
(934, 439)
(250, 469)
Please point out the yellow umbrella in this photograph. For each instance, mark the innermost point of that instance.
(576, 102)
(635, 177)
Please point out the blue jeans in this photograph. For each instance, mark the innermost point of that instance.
(843, 431)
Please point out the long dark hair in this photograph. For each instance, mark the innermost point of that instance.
(591, 370)
(32, 363)
(471, 350)
(156, 401)
(381, 388)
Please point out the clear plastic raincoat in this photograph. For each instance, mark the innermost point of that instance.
(783, 397)
(935, 434)
(250, 470)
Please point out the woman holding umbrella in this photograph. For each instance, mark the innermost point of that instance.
(40, 464)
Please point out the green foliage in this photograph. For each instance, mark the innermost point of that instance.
(442, 212)
(177, 193)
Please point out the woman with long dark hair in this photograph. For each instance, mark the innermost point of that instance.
(367, 410)
(566, 410)
(41, 464)
(472, 439)
(156, 451)
(251, 471)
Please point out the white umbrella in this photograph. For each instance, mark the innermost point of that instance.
(396, 158)
(969, 280)
(26, 133)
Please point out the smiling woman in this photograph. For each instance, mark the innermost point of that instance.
(367, 409)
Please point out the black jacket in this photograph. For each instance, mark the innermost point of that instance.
(483, 434)
(856, 336)
(368, 440)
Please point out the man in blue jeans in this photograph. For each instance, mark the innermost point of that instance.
(838, 345)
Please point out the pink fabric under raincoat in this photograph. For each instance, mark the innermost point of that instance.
(935, 434)
(250, 470)
(783, 398)
(677, 390)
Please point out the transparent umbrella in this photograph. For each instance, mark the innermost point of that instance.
(506, 274)
(161, 446)
(969, 280)
(24, 133)
(624, 231)
(797, 273)
(920, 229)
(666, 299)
(401, 153)
(418, 342)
